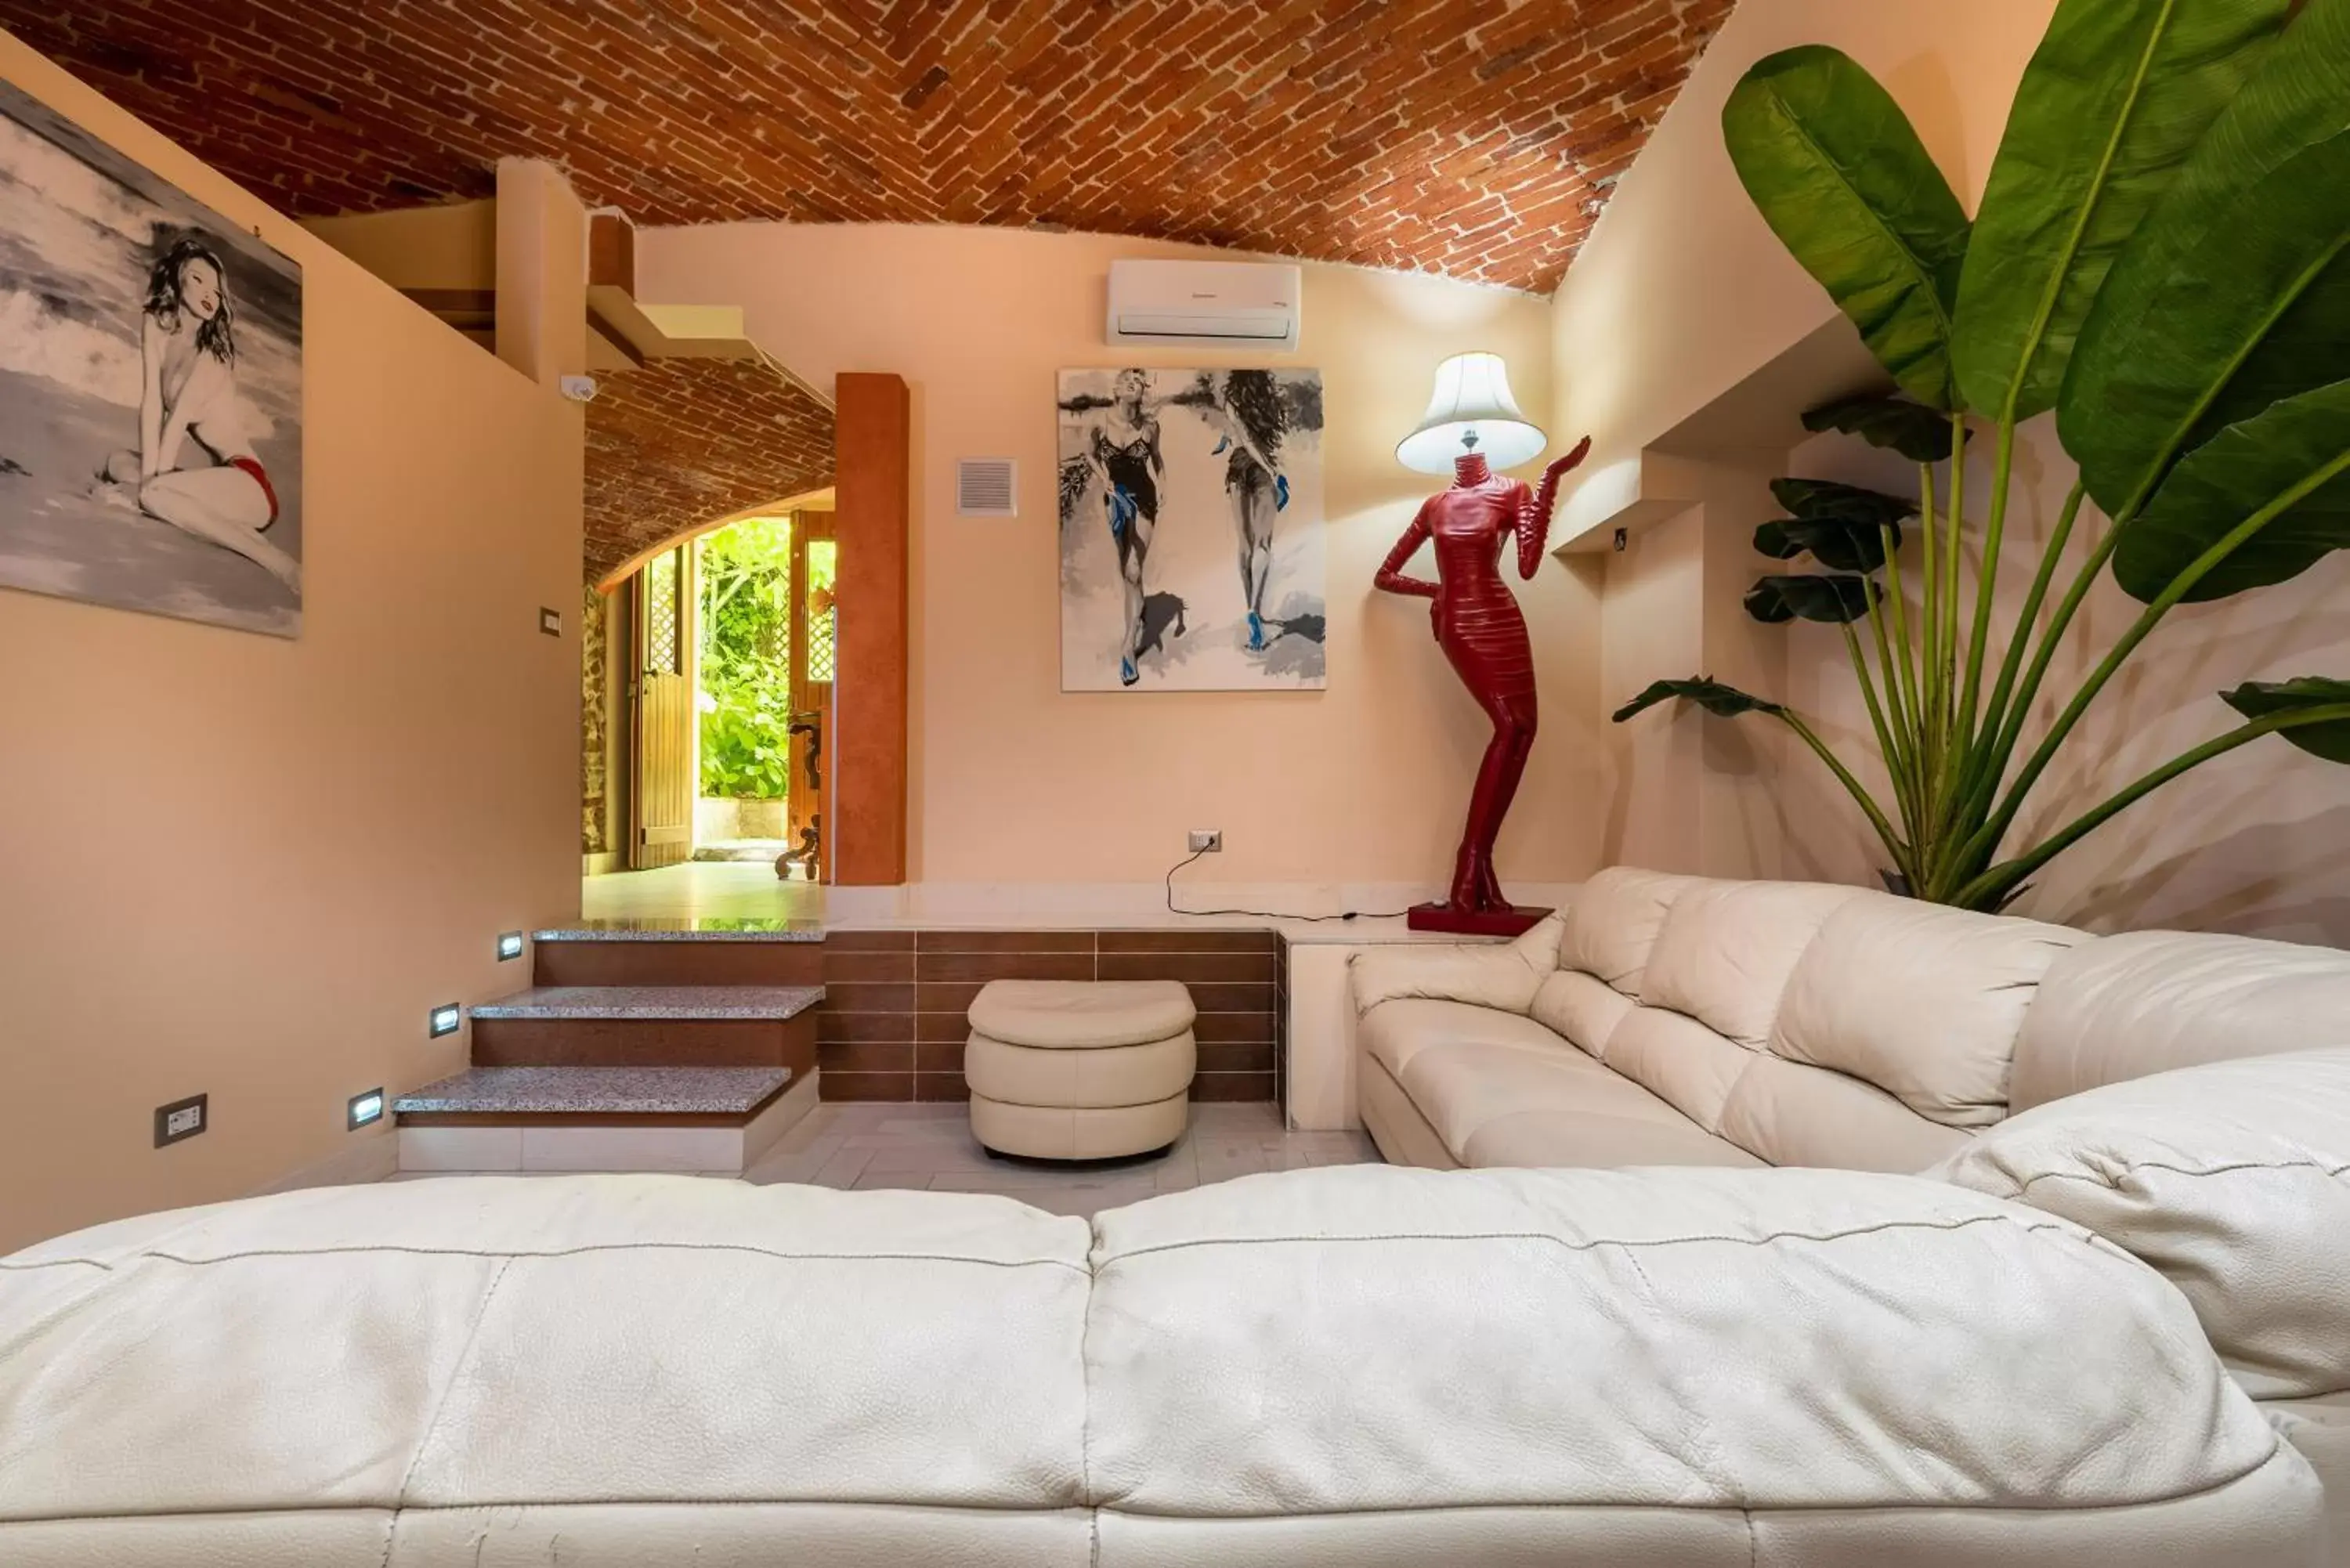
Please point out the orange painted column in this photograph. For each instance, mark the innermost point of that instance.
(874, 522)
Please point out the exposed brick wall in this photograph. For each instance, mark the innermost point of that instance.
(682, 442)
(1476, 138)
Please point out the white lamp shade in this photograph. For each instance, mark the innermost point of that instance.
(1471, 399)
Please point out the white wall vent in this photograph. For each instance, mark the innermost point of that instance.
(1241, 304)
(987, 487)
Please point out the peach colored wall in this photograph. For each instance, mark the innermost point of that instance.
(1015, 781)
(247, 867)
(1682, 291)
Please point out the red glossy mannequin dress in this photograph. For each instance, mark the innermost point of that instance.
(1478, 626)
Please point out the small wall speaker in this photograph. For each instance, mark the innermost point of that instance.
(987, 487)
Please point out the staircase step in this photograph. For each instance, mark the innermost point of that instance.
(772, 1003)
(506, 1094)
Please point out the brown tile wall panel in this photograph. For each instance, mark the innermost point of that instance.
(865, 1056)
(865, 1086)
(932, 942)
(1233, 1086)
(1233, 976)
(867, 943)
(981, 968)
(1187, 941)
(1188, 967)
(841, 969)
(677, 963)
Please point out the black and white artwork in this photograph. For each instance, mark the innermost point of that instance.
(150, 390)
(1192, 547)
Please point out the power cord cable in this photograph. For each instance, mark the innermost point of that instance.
(1267, 914)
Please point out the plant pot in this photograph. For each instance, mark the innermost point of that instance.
(1896, 884)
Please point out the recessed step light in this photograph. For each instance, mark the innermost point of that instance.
(445, 1020)
(364, 1109)
(509, 945)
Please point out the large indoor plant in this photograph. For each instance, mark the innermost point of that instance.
(2162, 256)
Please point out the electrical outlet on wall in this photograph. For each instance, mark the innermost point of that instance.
(181, 1119)
(1207, 841)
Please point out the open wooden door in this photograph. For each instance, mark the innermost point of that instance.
(661, 712)
(814, 622)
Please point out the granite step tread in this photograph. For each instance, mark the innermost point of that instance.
(593, 1091)
(697, 928)
(671, 1003)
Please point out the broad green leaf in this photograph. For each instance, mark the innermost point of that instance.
(2113, 101)
(1842, 179)
(1821, 500)
(1917, 432)
(2236, 290)
(1724, 701)
(2327, 738)
(1832, 600)
(1837, 544)
(2296, 458)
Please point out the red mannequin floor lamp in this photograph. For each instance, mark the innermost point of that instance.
(1472, 427)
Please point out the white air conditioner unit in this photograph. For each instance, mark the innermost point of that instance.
(1242, 304)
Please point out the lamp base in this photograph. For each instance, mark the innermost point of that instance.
(1507, 920)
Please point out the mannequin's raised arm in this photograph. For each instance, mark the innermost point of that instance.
(1391, 579)
(1535, 507)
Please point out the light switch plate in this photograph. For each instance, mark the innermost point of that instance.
(181, 1119)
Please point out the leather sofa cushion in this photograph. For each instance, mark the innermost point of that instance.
(478, 1341)
(1499, 1090)
(1067, 1014)
(1687, 1064)
(1727, 949)
(1676, 1339)
(1613, 919)
(1503, 976)
(2232, 1179)
(2121, 1007)
(1397, 1032)
(1794, 1114)
(1921, 1001)
(1581, 1008)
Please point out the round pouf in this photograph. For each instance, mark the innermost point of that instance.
(1079, 1069)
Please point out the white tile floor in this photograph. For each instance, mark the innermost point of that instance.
(868, 1145)
(707, 889)
(858, 1145)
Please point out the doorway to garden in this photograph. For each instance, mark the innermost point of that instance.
(762, 590)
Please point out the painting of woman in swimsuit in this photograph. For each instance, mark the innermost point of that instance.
(1168, 477)
(150, 390)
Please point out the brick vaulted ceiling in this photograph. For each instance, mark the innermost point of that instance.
(677, 443)
(1473, 137)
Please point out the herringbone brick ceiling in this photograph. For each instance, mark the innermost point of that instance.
(1474, 138)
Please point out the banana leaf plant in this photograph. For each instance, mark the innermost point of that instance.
(2162, 257)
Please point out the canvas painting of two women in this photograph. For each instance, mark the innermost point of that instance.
(1191, 514)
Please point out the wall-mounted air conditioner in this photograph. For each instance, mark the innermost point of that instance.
(1244, 304)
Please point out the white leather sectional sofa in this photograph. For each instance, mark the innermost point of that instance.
(1358, 1368)
(2185, 1096)
(2107, 1331)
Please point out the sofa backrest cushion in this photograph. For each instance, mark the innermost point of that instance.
(1692, 1339)
(1613, 919)
(1924, 1002)
(2121, 1007)
(1582, 1007)
(1789, 1114)
(1503, 976)
(1726, 950)
(2232, 1179)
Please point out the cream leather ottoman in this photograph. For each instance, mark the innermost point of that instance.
(1079, 1069)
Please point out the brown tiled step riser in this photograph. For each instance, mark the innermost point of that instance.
(678, 964)
(877, 1057)
(904, 968)
(1051, 942)
(645, 1042)
(931, 996)
(904, 1087)
(954, 1028)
